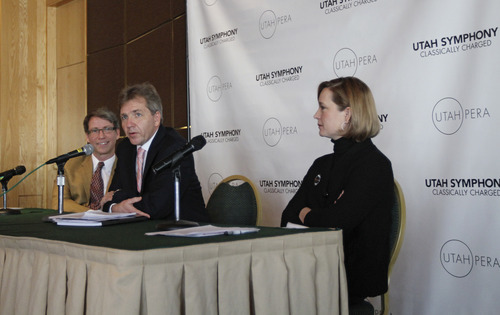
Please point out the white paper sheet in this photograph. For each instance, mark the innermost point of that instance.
(206, 230)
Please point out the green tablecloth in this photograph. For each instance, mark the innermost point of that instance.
(128, 236)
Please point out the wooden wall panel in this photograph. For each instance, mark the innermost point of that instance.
(22, 97)
(179, 73)
(178, 8)
(106, 24)
(142, 17)
(154, 50)
(42, 90)
(149, 58)
(106, 78)
(71, 107)
(51, 120)
(43, 87)
(70, 101)
(71, 39)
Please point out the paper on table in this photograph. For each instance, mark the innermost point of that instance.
(95, 215)
(206, 230)
(291, 225)
(76, 222)
(100, 215)
(88, 218)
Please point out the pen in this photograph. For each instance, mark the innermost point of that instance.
(232, 233)
(238, 232)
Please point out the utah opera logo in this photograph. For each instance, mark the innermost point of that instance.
(456, 258)
(210, 2)
(213, 181)
(345, 63)
(267, 24)
(271, 131)
(448, 115)
(215, 87)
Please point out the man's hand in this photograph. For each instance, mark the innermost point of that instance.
(128, 206)
(107, 197)
(302, 213)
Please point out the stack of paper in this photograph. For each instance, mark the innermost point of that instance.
(206, 230)
(91, 218)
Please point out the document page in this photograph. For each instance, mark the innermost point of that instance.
(89, 218)
(206, 230)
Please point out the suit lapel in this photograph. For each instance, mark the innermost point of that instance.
(111, 175)
(87, 168)
(154, 148)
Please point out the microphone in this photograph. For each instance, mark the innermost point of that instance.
(18, 170)
(85, 150)
(173, 159)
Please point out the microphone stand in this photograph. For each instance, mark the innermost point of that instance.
(60, 191)
(60, 187)
(6, 210)
(177, 223)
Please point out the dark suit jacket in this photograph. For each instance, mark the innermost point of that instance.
(78, 175)
(158, 195)
(362, 176)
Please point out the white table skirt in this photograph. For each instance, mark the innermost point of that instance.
(293, 274)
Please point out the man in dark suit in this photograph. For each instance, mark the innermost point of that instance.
(136, 188)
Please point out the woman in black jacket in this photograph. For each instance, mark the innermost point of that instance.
(351, 188)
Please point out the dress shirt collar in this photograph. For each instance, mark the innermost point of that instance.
(108, 164)
(146, 145)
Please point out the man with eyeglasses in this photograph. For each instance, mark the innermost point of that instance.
(86, 178)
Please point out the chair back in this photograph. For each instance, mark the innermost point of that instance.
(235, 201)
(396, 239)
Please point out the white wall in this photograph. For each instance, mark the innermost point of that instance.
(434, 69)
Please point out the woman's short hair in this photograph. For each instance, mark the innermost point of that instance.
(148, 92)
(354, 93)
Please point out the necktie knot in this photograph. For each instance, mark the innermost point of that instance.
(100, 165)
(140, 152)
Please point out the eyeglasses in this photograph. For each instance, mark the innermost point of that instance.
(106, 130)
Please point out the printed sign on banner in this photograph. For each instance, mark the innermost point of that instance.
(254, 68)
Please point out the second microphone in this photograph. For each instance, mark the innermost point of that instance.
(173, 160)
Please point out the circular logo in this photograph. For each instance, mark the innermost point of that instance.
(213, 181)
(345, 63)
(272, 131)
(214, 88)
(267, 24)
(210, 2)
(448, 116)
(456, 258)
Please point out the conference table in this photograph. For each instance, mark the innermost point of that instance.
(117, 269)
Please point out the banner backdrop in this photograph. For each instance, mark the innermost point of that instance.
(434, 69)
